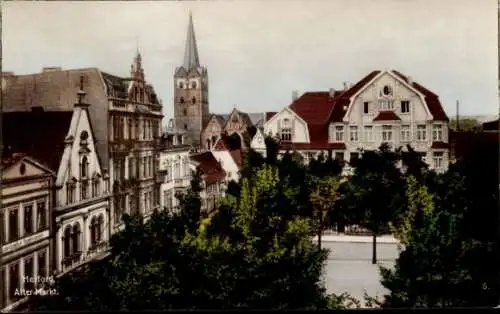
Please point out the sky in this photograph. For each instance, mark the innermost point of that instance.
(258, 52)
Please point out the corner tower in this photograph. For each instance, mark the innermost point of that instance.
(191, 109)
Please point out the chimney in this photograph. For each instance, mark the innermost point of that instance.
(51, 69)
(331, 92)
(410, 80)
(295, 95)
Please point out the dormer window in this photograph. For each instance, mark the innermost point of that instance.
(84, 138)
(387, 90)
(84, 167)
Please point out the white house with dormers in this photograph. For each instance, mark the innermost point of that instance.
(231, 160)
(384, 106)
(65, 142)
(174, 173)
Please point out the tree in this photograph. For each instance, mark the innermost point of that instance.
(373, 196)
(465, 124)
(323, 198)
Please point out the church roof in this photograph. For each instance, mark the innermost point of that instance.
(191, 58)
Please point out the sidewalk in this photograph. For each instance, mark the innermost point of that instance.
(386, 239)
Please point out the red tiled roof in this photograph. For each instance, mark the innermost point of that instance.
(344, 98)
(38, 134)
(386, 116)
(431, 99)
(237, 156)
(269, 115)
(211, 169)
(221, 144)
(440, 145)
(312, 146)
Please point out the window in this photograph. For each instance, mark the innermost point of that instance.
(13, 225)
(181, 85)
(143, 129)
(286, 131)
(28, 219)
(308, 156)
(95, 187)
(339, 133)
(137, 129)
(28, 272)
(67, 242)
(405, 106)
(368, 133)
(405, 133)
(437, 132)
(177, 169)
(193, 100)
(168, 199)
(129, 126)
(84, 135)
(70, 193)
(131, 167)
(42, 263)
(437, 160)
(366, 107)
(387, 133)
(75, 238)
(339, 156)
(14, 281)
(95, 230)
(185, 126)
(193, 84)
(386, 105)
(421, 133)
(181, 100)
(84, 167)
(144, 167)
(84, 190)
(353, 133)
(145, 199)
(185, 112)
(41, 211)
(106, 184)
(387, 90)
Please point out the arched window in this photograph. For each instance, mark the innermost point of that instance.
(181, 85)
(193, 100)
(181, 100)
(67, 242)
(84, 137)
(84, 167)
(100, 224)
(75, 241)
(193, 84)
(92, 229)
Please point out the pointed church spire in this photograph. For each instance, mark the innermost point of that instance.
(191, 59)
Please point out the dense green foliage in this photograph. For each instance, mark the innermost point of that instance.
(255, 250)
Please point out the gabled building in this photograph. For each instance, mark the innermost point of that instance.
(125, 114)
(384, 106)
(25, 234)
(65, 142)
(213, 178)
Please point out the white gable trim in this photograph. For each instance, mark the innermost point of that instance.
(288, 109)
(396, 77)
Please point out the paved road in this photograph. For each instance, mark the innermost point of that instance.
(349, 268)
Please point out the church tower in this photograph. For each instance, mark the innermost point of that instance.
(191, 110)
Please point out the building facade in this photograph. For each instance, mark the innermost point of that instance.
(65, 142)
(383, 107)
(126, 116)
(174, 170)
(213, 178)
(25, 219)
